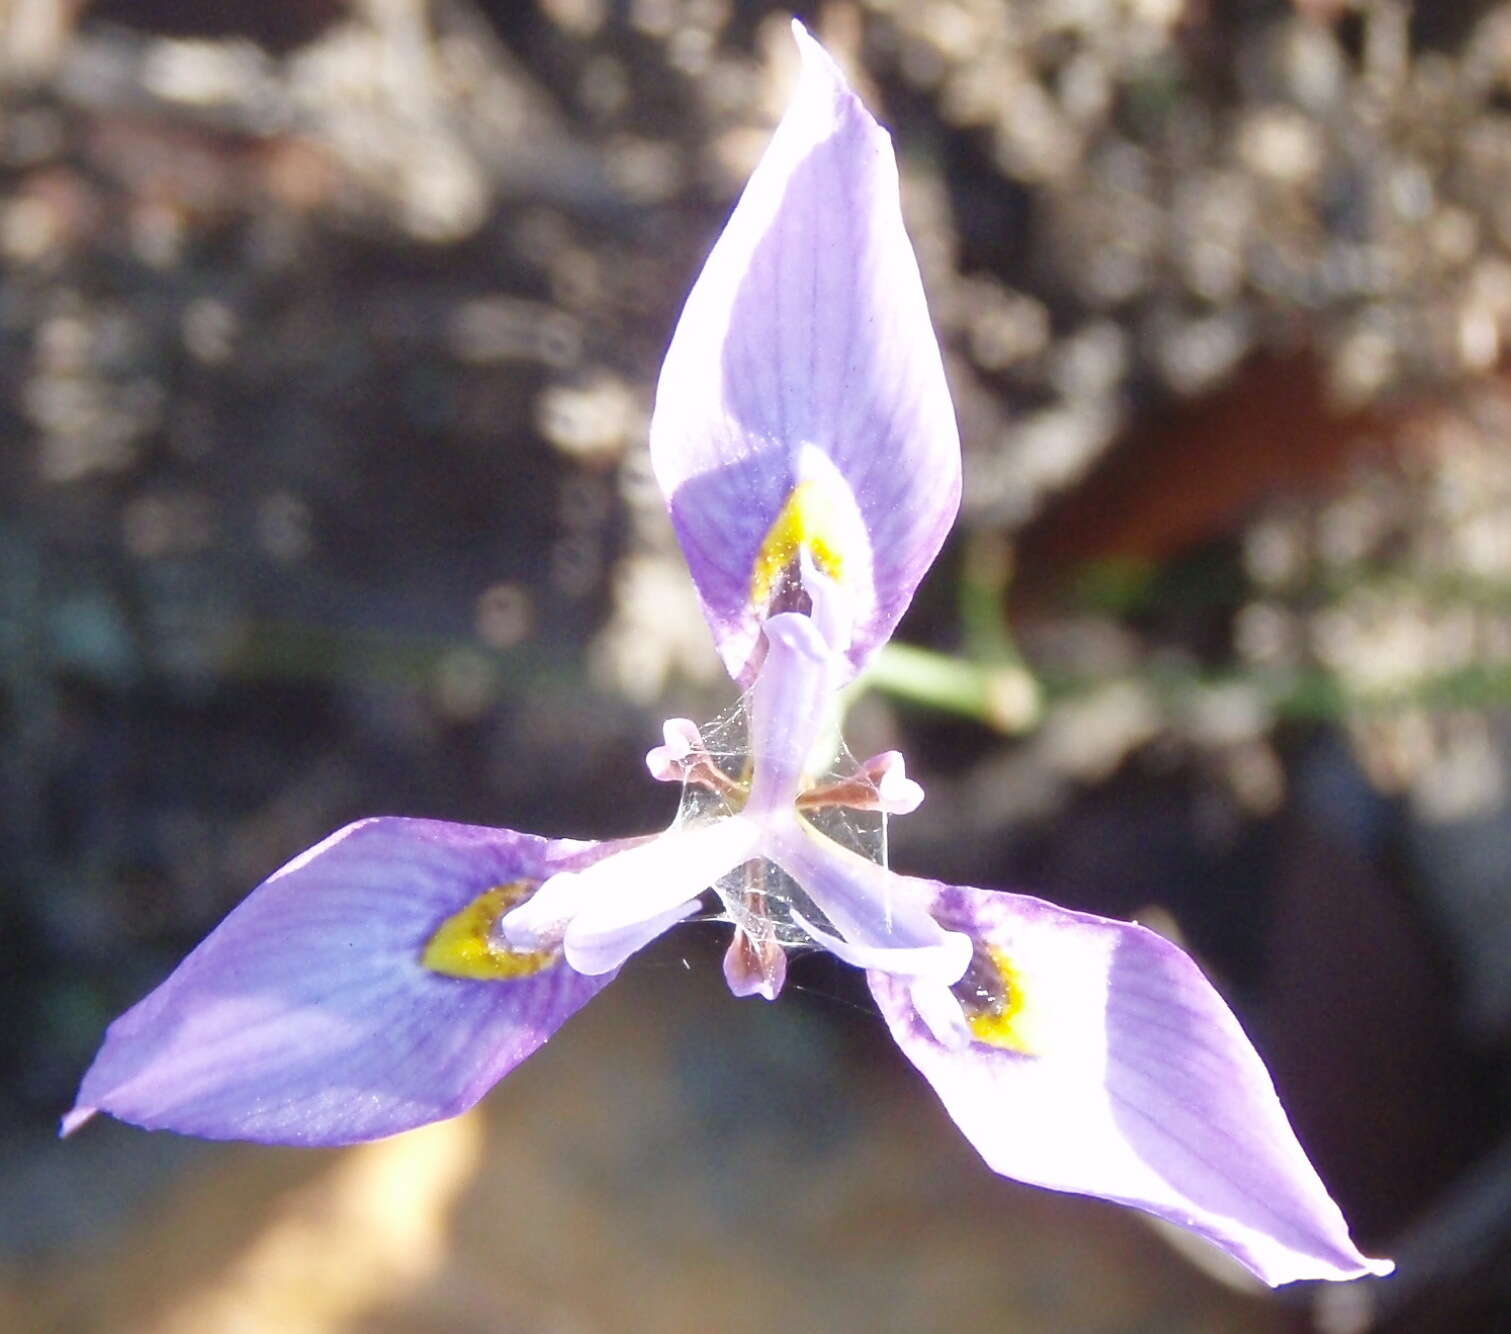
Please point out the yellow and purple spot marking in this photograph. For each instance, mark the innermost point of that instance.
(998, 1003)
(821, 518)
(463, 945)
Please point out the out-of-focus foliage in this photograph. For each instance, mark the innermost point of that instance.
(328, 331)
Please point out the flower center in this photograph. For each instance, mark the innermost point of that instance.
(841, 802)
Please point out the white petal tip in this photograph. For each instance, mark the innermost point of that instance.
(941, 1014)
(896, 793)
(75, 1120)
(1312, 1272)
(667, 761)
(798, 634)
(815, 55)
(763, 988)
(539, 921)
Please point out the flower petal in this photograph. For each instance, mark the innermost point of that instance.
(755, 967)
(307, 1016)
(911, 962)
(790, 705)
(802, 407)
(623, 902)
(880, 915)
(681, 742)
(896, 793)
(1106, 1064)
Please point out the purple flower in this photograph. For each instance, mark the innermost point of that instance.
(805, 441)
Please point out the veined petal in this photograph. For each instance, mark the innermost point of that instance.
(802, 408)
(1104, 1063)
(308, 1016)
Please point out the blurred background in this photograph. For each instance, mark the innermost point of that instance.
(328, 332)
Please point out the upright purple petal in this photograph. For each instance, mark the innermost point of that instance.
(803, 404)
(1104, 1063)
(308, 1017)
